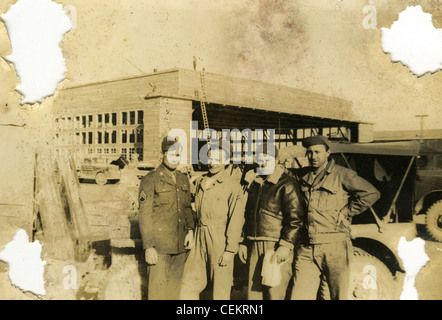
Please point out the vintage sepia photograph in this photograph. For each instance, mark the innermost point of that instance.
(242, 150)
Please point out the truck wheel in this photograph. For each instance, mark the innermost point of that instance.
(100, 179)
(370, 279)
(434, 220)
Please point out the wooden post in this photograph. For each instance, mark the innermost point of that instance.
(57, 236)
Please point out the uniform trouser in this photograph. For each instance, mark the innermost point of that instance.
(258, 291)
(164, 278)
(327, 262)
(202, 266)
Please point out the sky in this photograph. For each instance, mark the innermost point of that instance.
(321, 46)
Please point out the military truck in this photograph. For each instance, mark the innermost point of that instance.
(428, 187)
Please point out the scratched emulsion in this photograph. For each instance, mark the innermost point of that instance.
(26, 269)
(414, 41)
(41, 71)
(266, 37)
(31, 68)
(414, 258)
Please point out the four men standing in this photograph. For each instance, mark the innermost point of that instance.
(315, 207)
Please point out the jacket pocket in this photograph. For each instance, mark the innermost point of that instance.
(163, 194)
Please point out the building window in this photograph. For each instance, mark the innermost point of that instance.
(90, 121)
(91, 137)
(123, 136)
(132, 117)
(113, 150)
(114, 136)
(99, 120)
(140, 154)
(124, 118)
(140, 116)
(99, 150)
(90, 150)
(139, 135)
(131, 152)
(124, 153)
(106, 150)
(84, 137)
(100, 137)
(106, 118)
(77, 122)
(83, 121)
(132, 136)
(114, 119)
(106, 137)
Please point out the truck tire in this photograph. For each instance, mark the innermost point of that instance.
(100, 178)
(433, 221)
(370, 279)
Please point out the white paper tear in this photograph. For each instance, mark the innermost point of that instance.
(25, 267)
(35, 29)
(414, 41)
(414, 258)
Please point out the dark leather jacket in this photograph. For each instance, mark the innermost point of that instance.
(274, 211)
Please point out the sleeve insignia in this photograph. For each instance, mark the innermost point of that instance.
(143, 197)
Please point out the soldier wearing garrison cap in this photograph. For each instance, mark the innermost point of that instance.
(166, 223)
(332, 195)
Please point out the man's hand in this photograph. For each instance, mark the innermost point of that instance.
(242, 253)
(226, 259)
(281, 254)
(151, 256)
(188, 240)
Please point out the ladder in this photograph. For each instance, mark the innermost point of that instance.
(203, 104)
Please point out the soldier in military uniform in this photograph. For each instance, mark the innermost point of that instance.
(332, 195)
(166, 224)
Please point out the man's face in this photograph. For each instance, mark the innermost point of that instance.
(216, 160)
(317, 155)
(172, 158)
(266, 164)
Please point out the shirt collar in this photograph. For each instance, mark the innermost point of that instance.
(274, 177)
(307, 176)
(165, 172)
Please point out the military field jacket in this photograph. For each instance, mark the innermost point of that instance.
(165, 213)
(336, 189)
